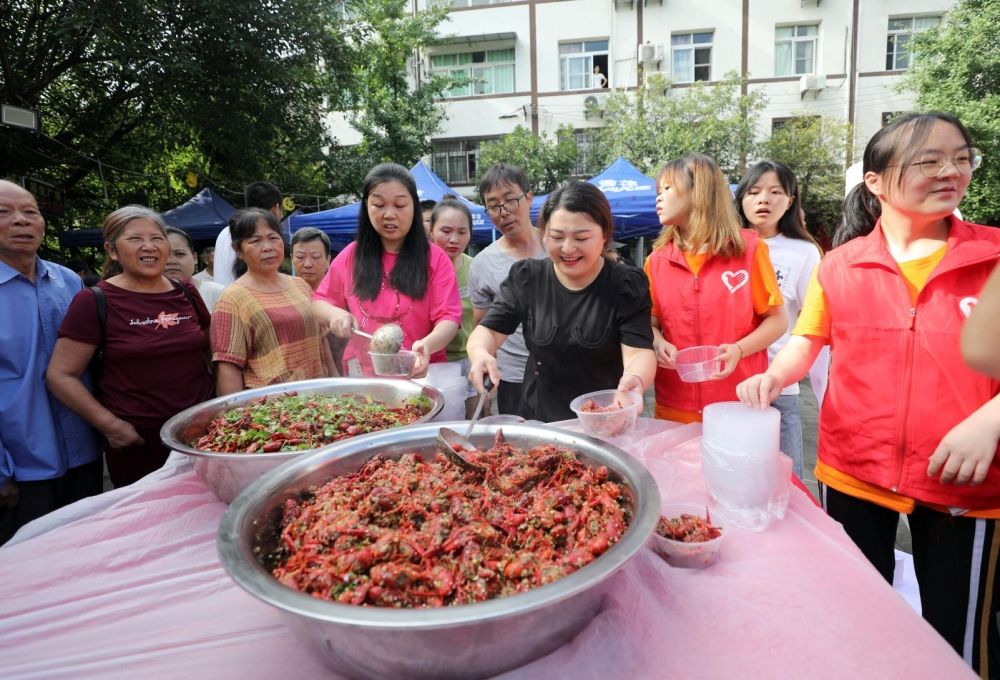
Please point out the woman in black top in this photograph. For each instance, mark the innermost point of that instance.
(586, 319)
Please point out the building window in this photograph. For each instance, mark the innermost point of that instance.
(777, 124)
(897, 47)
(456, 161)
(577, 61)
(484, 72)
(691, 57)
(795, 50)
(584, 141)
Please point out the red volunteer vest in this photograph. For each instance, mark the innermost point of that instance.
(712, 308)
(897, 380)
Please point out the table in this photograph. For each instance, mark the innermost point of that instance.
(128, 584)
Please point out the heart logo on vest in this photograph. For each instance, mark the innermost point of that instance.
(966, 304)
(735, 280)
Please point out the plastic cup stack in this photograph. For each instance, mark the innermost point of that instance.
(740, 462)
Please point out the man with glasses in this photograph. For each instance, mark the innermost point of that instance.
(503, 189)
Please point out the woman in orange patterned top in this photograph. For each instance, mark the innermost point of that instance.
(263, 328)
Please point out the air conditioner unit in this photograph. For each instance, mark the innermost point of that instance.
(593, 106)
(650, 53)
(810, 3)
(811, 83)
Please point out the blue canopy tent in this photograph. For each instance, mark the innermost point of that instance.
(632, 196)
(202, 217)
(341, 224)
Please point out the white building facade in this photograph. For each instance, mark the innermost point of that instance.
(533, 61)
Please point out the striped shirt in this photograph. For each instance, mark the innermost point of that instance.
(273, 337)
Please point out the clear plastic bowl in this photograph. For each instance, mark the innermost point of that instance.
(398, 365)
(697, 364)
(681, 554)
(610, 423)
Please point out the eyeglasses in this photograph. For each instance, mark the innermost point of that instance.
(965, 162)
(510, 205)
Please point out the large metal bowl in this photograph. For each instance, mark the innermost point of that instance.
(476, 640)
(227, 474)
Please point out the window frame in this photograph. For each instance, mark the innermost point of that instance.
(893, 52)
(445, 151)
(793, 41)
(468, 68)
(588, 56)
(694, 48)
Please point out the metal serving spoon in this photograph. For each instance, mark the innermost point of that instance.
(451, 442)
(387, 339)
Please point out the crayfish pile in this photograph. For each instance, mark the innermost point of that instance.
(688, 528)
(425, 533)
(590, 406)
(293, 422)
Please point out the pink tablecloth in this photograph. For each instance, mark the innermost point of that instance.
(128, 584)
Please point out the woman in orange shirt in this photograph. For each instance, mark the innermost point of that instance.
(711, 283)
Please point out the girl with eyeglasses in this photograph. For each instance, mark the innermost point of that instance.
(906, 426)
(391, 273)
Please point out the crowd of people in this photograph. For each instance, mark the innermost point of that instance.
(897, 327)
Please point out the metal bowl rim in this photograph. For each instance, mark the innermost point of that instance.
(246, 395)
(243, 568)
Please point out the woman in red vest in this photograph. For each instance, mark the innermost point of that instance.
(906, 426)
(711, 283)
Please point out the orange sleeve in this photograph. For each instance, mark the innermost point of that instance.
(814, 319)
(652, 288)
(763, 283)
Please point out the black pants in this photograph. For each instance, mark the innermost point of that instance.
(132, 463)
(509, 398)
(42, 497)
(952, 557)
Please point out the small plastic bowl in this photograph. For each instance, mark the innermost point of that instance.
(681, 554)
(697, 364)
(608, 423)
(398, 365)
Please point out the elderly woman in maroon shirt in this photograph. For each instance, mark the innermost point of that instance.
(153, 345)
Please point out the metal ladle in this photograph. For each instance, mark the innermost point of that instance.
(387, 339)
(451, 442)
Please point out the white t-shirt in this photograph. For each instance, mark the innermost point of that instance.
(203, 275)
(794, 261)
(488, 270)
(224, 258)
(209, 292)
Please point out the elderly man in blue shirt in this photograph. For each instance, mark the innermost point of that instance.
(48, 454)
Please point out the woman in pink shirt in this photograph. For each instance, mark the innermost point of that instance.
(391, 274)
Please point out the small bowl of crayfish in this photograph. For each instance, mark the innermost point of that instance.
(236, 438)
(685, 536)
(603, 415)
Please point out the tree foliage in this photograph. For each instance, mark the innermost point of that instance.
(957, 69)
(657, 123)
(135, 94)
(547, 160)
(396, 120)
(815, 148)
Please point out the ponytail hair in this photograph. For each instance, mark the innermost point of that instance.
(861, 212)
